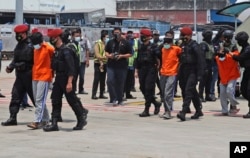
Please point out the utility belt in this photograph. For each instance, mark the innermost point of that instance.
(22, 66)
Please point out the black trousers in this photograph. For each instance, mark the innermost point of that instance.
(245, 85)
(205, 83)
(22, 85)
(147, 77)
(129, 82)
(99, 77)
(188, 82)
(59, 88)
(158, 82)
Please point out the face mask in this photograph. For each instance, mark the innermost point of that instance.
(106, 40)
(222, 58)
(117, 36)
(19, 38)
(37, 46)
(53, 41)
(129, 36)
(167, 46)
(143, 38)
(77, 39)
(184, 39)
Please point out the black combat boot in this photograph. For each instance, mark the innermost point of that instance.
(81, 122)
(11, 121)
(145, 113)
(182, 116)
(60, 119)
(52, 127)
(102, 96)
(85, 113)
(157, 107)
(197, 114)
(247, 116)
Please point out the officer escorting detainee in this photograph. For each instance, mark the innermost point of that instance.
(22, 63)
(63, 63)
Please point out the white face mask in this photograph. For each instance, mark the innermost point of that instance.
(77, 39)
(37, 46)
(222, 58)
(106, 40)
(167, 46)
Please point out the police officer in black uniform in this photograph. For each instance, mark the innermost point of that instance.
(208, 50)
(244, 60)
(73, 45)
(63, 64)
(191, 70)
(146, 65)
(22, 63)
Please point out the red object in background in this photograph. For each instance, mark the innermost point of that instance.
(43, 30)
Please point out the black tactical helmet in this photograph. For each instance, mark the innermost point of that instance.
(241, 36)
(65, 36)
(207, 33)
(228, 34)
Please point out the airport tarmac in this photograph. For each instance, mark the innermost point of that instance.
(118, 132)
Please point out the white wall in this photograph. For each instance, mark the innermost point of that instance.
(56, 5)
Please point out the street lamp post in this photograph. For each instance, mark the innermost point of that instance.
(195, 20)
(129, 10)
(19, 12)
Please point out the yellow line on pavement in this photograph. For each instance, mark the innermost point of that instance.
(139, 103)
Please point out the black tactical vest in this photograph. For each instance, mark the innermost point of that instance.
(146, 54)
(23, 55)
(59, 64)
(188, 54)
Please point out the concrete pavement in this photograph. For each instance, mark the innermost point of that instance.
(118, 132)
